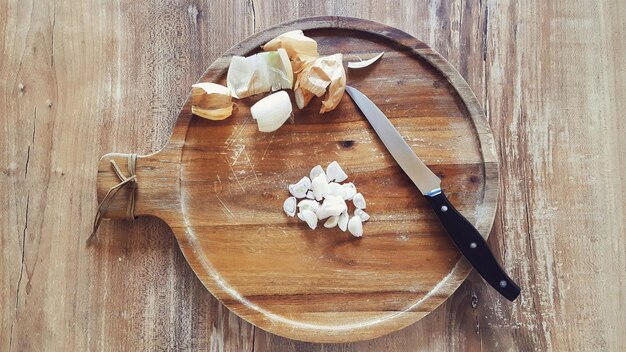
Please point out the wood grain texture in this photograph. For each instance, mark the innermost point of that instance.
(220, 187)
(79, 79)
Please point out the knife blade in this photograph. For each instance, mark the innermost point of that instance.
(464, 235)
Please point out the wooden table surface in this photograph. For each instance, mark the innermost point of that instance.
(82, 78)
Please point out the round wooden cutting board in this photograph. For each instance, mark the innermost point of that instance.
(220, 185)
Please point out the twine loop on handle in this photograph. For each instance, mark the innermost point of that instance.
(130, 181)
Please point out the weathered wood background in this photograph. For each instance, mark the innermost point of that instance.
(79, 79)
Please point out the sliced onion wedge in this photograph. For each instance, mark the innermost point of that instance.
(211, 101)
(365, 63)
(272, 111)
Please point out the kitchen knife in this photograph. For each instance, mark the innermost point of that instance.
(465, 236)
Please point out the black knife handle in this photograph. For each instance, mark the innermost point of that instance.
(469, 241)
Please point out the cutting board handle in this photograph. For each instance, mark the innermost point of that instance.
(157, 184)
(156, 187)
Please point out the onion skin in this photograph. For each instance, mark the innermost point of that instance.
(211, 101)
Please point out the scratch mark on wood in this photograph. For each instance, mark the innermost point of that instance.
(268, 145)
(237, 132)
(225, 207)
(238, 154)
(235, 174)
(250, 163)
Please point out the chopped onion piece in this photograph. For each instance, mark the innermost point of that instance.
(260, 73)
(316, 171)
(272, 111)
(289, 206)
(309, 217)
(334, 189)
(331, 222)
(332, 206)
(309, 204)
(359, 201)
(211, 101)
(300, 189)
(362, 214)
(309, 195)
(319, 186)
(355, 226)
(349, 191)
(343, 221)
(335, 172)
(365, 63)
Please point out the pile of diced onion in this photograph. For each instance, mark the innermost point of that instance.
(322, 196)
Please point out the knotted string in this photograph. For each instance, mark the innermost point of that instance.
(130, 181)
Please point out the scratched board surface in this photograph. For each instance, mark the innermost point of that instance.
(326, 285)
